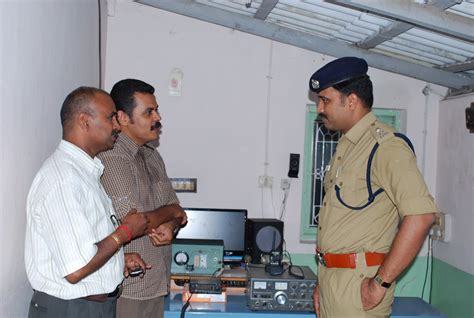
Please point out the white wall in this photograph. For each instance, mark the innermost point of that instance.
(47, 48)
(455, 189)
(216, 130)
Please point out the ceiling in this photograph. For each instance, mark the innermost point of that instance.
(431, 40)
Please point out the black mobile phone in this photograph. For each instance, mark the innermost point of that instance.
(136, 272)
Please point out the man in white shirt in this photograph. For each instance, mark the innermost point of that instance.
(73, 255)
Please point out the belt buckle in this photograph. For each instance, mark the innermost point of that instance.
(320, 259)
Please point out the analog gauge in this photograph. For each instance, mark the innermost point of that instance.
(181, 258)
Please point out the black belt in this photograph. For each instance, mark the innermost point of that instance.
(117, 292)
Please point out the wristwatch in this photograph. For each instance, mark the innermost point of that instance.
(379, 281)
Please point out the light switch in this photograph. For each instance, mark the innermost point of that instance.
(184, 184)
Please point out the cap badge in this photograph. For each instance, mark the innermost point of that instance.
(314, 84)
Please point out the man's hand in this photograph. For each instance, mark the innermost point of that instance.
(182, 216)
(371, 293)
(162, 235)
(408, 241)
(316, 300)
(166, 214)
(136, 222)
(133, 261)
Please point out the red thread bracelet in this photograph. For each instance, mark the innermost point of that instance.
(127, 230)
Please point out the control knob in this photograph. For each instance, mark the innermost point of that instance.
(280, 298)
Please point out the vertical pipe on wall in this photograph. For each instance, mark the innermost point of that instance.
(427, 91)
(268, 106)
(100, 22)
(266, 162)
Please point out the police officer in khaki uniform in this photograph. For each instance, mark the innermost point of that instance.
(377, 209)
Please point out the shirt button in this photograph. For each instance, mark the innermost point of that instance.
(340, 184)
(324, 203)
(339, 158)
(373, 124)
(320, 228)
(361, 275)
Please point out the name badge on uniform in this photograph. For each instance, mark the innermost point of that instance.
(339, 169)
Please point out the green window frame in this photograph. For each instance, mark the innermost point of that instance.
(319, 146)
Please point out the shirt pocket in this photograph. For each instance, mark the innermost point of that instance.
(353, 190)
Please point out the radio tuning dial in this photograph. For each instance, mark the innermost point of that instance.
(280, 298)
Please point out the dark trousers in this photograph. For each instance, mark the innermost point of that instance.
(46, 306)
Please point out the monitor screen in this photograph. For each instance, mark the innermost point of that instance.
(218, 224)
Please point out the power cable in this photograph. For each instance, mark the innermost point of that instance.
(429, 261)
(185, 306)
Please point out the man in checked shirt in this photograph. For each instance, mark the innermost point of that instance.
(135, 177)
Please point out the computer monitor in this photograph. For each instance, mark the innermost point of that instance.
(218, 224)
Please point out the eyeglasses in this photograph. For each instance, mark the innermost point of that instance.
(115, 221)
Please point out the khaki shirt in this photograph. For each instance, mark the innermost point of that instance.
(394, 168)
(135, 177)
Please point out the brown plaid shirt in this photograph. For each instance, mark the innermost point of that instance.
(135, 177)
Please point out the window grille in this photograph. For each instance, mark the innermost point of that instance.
(325, 142)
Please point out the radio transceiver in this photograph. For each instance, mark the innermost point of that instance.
(209, 285)
(283, 292)
(196, 257)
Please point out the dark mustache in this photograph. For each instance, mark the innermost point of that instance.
(156, 125)
(115, 132)
(321, 116)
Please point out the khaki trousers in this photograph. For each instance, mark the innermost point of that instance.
(339, 291)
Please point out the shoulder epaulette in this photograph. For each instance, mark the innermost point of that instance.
(379, 133)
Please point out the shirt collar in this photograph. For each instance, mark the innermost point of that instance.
(92, 166)
(357, 131)
(131, 147)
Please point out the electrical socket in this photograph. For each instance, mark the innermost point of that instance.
(437, 228)
(265, 182)
(441, 228)
(285, 184)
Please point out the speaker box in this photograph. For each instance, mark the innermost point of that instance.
(294, 165)
(470, 118)
(263, 236)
